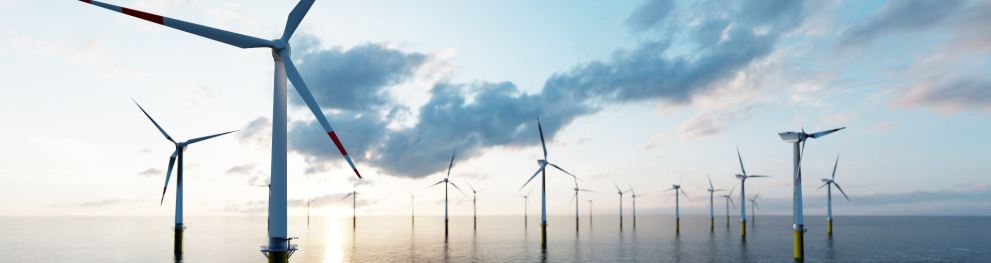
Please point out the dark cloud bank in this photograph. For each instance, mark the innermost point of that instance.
(469, 117)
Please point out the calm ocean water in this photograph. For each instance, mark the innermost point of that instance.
(498, 239)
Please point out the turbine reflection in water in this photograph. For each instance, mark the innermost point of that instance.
(334, 252)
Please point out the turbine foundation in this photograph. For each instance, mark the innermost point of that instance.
(829, 226)
(799, 245)
(178, 230)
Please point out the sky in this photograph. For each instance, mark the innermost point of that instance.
(634, 94)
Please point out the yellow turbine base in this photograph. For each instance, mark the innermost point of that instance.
(543, 234)
(799, 246)
(445, 227)
(829, 225)
(278, 257)
(178, 241)
(712, 223)
(743, 228)
(677, 224)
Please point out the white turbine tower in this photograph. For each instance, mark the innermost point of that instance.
(474, 206)
(829, 196)
(677, 214)
(278, 248)
(354, 203)
(743, 190)
(729, 201)
(543, 185)
(620, 192)
(180, 147)
(634, 196)
(712, 209)
(753, 209)
(574, 199)
(447, 181)
(798, 227)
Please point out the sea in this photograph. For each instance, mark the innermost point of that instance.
(500, 239)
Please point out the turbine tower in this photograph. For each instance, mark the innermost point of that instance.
(590, 206)
(447, 181)
(575, 200)
(634, 195)
(543, 185)
(474, 207)
(829, 196)
(712, 212)
(526, 205)
(620, 192)
(743, 190)
(180, 147)
(798, 227)
(729, 201)
(753, 209)
(677, 213)
(354, 204)
(412, 206)
(278, 248)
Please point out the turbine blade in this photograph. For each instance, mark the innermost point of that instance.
(168, 175)
(531, 191)
(207, 137)
(710, 181)
(153, 122)
(304, 92)
(686, 195)
(631, 190)
(741, 161)
(680, 179)
(758, 176)
(824, 133)
(410, 192)
(542, 144)
(346, 196)
(226, 37)
(617, 186)
(531, 178)
(586, 190)
(756, 205)
(834, 166)
(469, 186)
(559, 168)
(732, 203)
(733, 189)
(823, 185)
(425, 188)
(793, 105)
(295, 17)
(573, 199)
(451, 165)
(841, 191)
(459, 190)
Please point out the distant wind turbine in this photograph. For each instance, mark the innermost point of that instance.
(474, 207)
(634, 195)
(620, 192)
(753, 210)
(712, 213)
(526, 205)
(677, 213)
(412, 206)
(743, 187)
(590, 206)
(446, 181)
(268, 220)
(354, 203)
(729, 201)
(575, 200)
(796, 138)
(543, 185)
(829, 196)
(180, 147)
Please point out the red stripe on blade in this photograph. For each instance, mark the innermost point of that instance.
(333, 136)
(164, 189)
(356, 172)
(86, 1)
(146, 16)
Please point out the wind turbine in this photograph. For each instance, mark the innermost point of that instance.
(590, 206)
(753, 209)
(412, 206)
(620, 192)
(308, 200)
(575, 199)
(278, 249)
(446, 181)
(474, 208)
(268, 221)
(798, 228)
(543, 185)
(829, 195)
(677, 213)
(729, 201)
(712, 214)
(634, 195)
(743, 190)
(526, 205)
(180, 147)
(354, 203)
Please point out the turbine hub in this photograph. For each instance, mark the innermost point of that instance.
(541, 162)
(741, 177)
(445, 180)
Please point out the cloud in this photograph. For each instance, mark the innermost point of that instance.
(151, 172)
(333, 200)
(241, 169)
(902, 16)
(257, 131)
(469, 117)
(650, 14)
(103, 203)
(948, 96)
(125, 73)
(711, 123)
(197, 93)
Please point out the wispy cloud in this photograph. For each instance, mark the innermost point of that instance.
(151, 172)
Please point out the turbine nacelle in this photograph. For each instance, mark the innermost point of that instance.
(445, 180)
(541, 162)
(824, 180)
(792, 137)
(741, 177)
(674, 186)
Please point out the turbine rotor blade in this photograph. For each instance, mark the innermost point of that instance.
(686, 195)
(304, 92)
(295, 17)
(168, 175)
(559, 168)
(542, 144)
(346, 196)
(835, 165)
(741, 161)
(531, 178)
(573, 199)
(153, 122)
(207, 137)
(733, 189)
(469, 186)
(824, 133)
(841, 191)
(425, 188)
(226, 37)
(710, 181)
(617, 186)
(459, 190)
(793, 105)
(823, 185)
(451, 165)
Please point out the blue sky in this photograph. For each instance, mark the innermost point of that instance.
(631, 92)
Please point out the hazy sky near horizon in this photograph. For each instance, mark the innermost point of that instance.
(632, 92)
